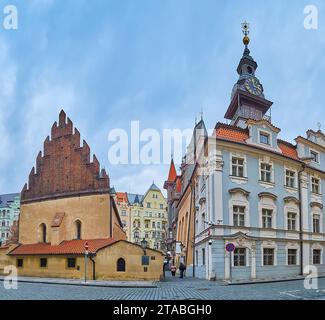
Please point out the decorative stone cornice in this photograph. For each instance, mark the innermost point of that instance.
(239, 190)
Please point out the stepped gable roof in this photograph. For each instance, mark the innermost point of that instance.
(64, 169)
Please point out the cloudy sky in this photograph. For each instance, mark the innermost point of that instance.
(108, 62)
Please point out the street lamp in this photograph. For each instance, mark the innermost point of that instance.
(86, 260)
(144, 244)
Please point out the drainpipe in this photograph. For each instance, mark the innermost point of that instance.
(303, 168)
(194, 217)
(300, 219)
(110, 216)
(91, 257)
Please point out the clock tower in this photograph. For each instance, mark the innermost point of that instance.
(247, 98)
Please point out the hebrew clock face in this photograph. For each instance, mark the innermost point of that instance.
(253, 86)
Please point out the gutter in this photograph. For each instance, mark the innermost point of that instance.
(91, 256)
(300, 219)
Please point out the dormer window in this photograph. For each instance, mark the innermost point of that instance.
(315, 156)
(264, 138)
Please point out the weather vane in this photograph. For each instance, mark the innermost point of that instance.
(319, 125)
(245, 29)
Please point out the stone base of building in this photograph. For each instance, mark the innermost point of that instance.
(105, 265)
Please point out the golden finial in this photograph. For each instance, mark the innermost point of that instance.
(245, 28)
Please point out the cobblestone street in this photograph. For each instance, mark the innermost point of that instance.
(176, 289)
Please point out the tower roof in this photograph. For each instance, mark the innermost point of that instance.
(154, 187)
(246, 69)
(172, 172)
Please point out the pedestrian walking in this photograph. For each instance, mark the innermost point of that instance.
(173, 270)
(182, 269)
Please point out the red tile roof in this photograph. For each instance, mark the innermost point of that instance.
(236, 134)
(288, 149)
(232, 133)
(172, 172)
(74, 247)
(122, 197)
(178, 184)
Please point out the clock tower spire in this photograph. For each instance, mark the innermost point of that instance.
(247, 98)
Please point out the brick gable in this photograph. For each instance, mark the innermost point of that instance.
(65, 167)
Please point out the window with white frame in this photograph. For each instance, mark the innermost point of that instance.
(266, 172)
(290, 179)
(267, 218)
(238, 167)
(317, 256)
(264, 138)
(292, 256)
(315, 156)
(268, 256)
(239, 216)
(240, 257)
(292, 221)
(316, 223)
(315, 185)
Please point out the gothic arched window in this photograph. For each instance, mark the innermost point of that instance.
(42, 233)
(78, 229)
(120, 265)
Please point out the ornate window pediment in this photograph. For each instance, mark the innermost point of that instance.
(239, 190)
(291, 199)
(316, 204)
(268, 195)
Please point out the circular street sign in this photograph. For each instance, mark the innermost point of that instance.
(86, 246)
(230, 247)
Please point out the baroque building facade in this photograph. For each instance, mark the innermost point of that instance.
(254, 190)
(9, 215)
(144, 217)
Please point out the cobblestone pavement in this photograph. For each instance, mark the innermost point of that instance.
(172, 289)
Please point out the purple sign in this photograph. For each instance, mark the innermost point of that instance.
(230, 247)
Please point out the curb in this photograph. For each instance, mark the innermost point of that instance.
(266, 281)
(98, 285)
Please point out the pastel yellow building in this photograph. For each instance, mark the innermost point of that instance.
(144, 217)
